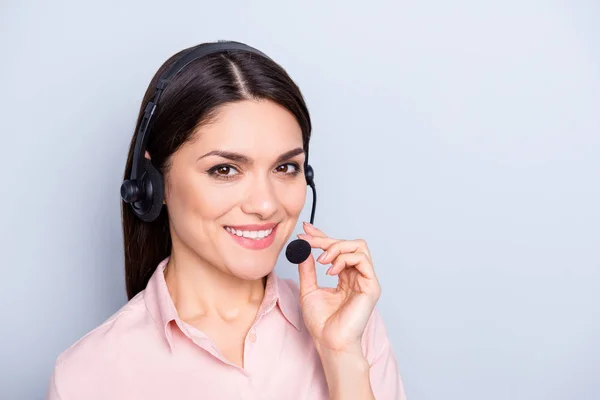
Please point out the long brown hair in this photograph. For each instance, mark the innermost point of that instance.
(190, 100)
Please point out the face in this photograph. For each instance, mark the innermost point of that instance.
(234, 192)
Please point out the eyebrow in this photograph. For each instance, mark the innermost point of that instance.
(237, 157)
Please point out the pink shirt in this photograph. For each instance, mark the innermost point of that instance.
(145, 351)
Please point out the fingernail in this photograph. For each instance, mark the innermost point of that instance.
(329, 271)
(307, 223)
(322, 256)
(303, 236)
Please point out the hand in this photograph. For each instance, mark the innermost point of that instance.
(337, 317)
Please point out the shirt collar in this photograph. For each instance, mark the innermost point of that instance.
(158, 300)
(159, 303)
(280, 292)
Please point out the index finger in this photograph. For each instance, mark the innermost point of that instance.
(312, 230)
(318, 242)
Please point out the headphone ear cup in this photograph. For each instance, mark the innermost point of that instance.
(155, 192)
(309, 174)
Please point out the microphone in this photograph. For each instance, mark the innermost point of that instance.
(299, 250)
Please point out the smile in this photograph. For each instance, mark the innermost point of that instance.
(253, 237)
(257, 235)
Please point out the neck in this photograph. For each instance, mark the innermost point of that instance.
(199, 289)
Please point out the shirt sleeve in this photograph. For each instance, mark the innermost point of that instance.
(52, 392)
(386, 381)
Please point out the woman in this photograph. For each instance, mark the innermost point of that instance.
(207, 316)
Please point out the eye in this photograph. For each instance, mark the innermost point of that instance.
(223, 171)
(288, 169)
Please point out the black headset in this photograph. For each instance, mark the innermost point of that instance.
(144, 190)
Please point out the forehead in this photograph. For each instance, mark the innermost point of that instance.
(248, 126)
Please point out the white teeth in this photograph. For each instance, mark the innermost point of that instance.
(249, 234)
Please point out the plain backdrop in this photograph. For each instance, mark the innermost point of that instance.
(460, 139)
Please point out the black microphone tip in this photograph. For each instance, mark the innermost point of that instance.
(298, 251)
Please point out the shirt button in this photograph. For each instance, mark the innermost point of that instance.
(252, 337)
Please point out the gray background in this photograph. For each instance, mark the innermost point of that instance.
(460, 139)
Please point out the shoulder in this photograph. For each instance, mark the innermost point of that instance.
(102, 346)
(121, 327)
(375, 340)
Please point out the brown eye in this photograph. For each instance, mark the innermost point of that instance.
(288, 169)
(223, 170)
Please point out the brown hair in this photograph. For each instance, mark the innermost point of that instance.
(190, 100)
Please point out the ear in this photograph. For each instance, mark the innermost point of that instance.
(147, 155)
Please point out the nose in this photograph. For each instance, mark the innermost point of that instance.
(261, 198)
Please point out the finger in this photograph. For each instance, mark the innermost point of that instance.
(318, 242)
(334, 247)
(341, 247)
(308, 276)
(360, 261)
(312, 230)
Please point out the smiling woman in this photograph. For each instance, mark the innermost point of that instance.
(214, 193)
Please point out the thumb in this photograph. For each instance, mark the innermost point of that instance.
(308, 275)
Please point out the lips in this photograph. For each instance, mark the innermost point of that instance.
(253, 237)
(254, 227)
(252, 234)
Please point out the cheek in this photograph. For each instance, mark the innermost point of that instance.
(193, 204)
(293, 197)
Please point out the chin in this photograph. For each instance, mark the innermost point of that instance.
(244, 269)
